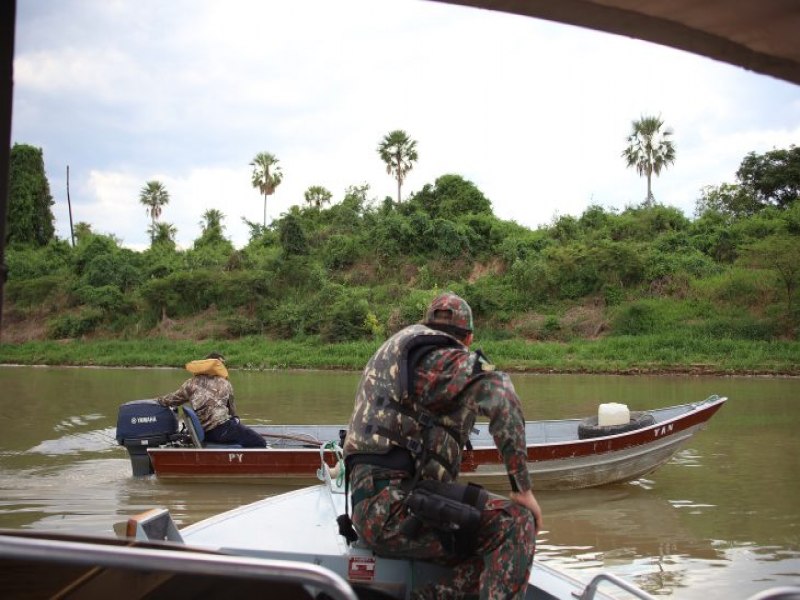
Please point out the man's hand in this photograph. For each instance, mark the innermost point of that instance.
(528, 500)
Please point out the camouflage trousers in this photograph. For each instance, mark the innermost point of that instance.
(498, 567)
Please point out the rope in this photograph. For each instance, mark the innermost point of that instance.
(334, 447)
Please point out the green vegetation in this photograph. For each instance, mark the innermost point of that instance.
(617, 354)
(650, 149)
(30, 220)
(399, 152)
(645, 289)
(154, 196)
(267, 176)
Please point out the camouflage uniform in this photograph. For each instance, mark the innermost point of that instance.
(455, 385)
(212, 400)
(210, 397)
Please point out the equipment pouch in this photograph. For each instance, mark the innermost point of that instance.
(449, 507)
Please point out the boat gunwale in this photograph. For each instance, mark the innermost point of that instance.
(689, 409)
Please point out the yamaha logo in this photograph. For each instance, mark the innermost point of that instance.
(140, 420)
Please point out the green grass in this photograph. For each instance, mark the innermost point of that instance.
(653, 353)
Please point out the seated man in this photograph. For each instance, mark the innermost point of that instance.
(211, 396)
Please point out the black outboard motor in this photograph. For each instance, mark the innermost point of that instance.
(142, 424)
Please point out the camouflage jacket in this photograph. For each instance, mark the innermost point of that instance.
(210, 397)
(450, 384)
(486, 393)
(387, 413)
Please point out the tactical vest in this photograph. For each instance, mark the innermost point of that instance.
(388, 415)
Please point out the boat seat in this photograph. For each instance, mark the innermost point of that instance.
(196, 431)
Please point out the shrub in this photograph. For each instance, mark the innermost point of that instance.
(112, 269)
(340, 251)
(71, 326)
(737, 287)
(181, 294)
(346, 321)
(658, 265)
(288, 319)
(240, 326)
(243, 288)
(30, 262)
(638, 318)
(739, 326)
(446, 240)
(33, 292)
(612, 294)
(108, 298)
(531, 280)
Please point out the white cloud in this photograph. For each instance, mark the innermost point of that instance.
(534, 113)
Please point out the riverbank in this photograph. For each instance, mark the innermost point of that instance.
(618, 354)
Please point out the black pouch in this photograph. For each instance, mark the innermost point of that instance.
(447, 507)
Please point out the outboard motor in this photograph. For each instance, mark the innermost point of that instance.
(142, 424)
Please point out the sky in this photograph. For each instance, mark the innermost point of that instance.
(534, 113)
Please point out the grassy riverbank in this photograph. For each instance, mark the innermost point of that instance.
(618, 354)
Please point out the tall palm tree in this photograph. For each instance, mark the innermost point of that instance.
(649, 150)
(154, 195)
(266, 176)
(399, 152)
(317, 195)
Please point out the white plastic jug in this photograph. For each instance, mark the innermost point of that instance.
(613, 414)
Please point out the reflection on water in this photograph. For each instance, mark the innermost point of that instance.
(722, 519)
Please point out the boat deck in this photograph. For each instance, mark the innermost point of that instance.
(301, 526)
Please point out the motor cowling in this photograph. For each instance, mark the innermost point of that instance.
(142, 424)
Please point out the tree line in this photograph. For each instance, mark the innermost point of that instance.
(361, 267)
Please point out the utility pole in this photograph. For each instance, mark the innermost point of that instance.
(69, 205)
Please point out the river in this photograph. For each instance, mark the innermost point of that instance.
(722, 519)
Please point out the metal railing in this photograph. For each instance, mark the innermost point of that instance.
(590, 590)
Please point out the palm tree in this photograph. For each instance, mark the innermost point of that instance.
(162, 234)
(212, 221)
(154, 195)
(266, 176)
(399, 152)
(212, 233)
(649, 149)
(317, 195)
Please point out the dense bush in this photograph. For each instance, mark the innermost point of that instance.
(638, 318)
(75, 325)
(360, 270)
(29, 261)
(108, 298)
(32, 292)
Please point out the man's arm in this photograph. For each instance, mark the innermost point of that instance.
(494, 397)
(180, 396)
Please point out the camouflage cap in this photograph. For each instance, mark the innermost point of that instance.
(449, 310)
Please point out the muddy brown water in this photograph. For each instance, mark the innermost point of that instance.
(721, 520)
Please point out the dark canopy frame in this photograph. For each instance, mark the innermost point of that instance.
(758, 35)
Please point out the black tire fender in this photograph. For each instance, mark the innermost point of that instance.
(588, 428)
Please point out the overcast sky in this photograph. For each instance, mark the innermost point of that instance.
(534, 113)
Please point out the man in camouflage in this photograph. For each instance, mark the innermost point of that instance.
(210, 394)
(428, 369)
